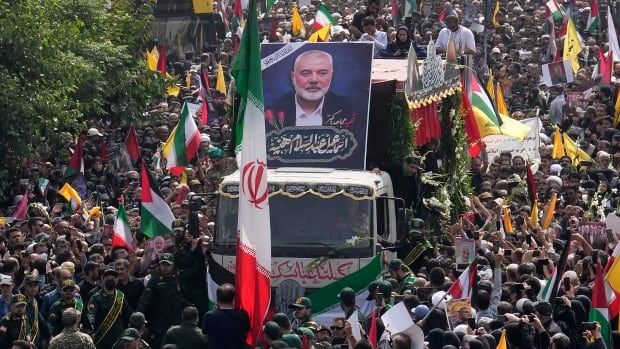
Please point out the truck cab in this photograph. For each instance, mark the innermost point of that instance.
(336, 215)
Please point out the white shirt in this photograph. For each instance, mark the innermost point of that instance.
(380, 41)
(463, 38)
(308, 119)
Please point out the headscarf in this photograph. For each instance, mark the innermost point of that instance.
(403, 46)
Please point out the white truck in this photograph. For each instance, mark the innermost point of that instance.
(315, 212)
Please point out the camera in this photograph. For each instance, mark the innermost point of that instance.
(589, 326)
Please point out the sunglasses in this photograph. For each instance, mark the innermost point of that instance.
(336, 328)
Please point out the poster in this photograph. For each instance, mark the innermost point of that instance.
(528, 148)
(457, 311)
(557, 73)
(317, 98)
(465, 253)
(594, 233)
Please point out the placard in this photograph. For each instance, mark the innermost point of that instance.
(557, 73)
(317, 98)
(528, 148)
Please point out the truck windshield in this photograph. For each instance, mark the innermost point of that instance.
(314, 225)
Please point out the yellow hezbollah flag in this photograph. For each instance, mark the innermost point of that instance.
(572, 45)
(71, 195)
(534, 214)
(502, 108)
(575, 153)
(491, 87)
(321, 35)
(151, 61)
(502, 341)
(172, 90)
(613, 275)
(297, 25)
(549, 211)
(495, 12)
(203, 6)
(507, 220)
(220, 84)
(558, 145)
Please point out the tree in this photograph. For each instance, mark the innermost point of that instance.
(64, 65)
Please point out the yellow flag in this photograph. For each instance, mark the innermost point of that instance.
(507, 220)
(576, 154)
(490, 87)
(172, 90)
(297, 25)
(94, 212)
(495, 12)
(155, 53)
(203, 6)
(502, 108)
(613, 275)
(549, 211)
(558, 145)
(70, 194)
(151, 61)
(534, 214)
(183, 177)
(617, 113)
(220, 84)
(572, 45)
(502, 344)
(321, 35)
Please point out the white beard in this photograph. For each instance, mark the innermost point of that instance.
(310, 96)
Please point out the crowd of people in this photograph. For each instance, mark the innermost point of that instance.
(63, 285)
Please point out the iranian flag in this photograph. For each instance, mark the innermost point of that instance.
(183, 142)
(155, 214)
(253, 264)
(322, 18)
(555, 11)
(463, 285)
(122, 234)
(599, 311)
(593, 17)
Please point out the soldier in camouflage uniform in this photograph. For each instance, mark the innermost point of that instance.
(67, 300)
(71, 337)
(14, 325)
(38, 333)
(401, 272)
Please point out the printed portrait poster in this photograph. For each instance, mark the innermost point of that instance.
(594, 233)
(317, 99)
(465, 253)
(457, 311)
(557, 73)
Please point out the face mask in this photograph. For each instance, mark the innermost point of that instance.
(109, 284)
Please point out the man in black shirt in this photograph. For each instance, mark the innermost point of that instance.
(224, 326)
(372, 9)
(130, 286)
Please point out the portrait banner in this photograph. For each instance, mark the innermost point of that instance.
(557, 73)
(317, 98)
(528, 148)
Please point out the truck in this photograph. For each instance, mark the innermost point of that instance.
(325, 228)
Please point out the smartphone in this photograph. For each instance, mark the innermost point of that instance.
(471, 322)
(24, 181)
(589, 326)
(535, 253)
(496, 248)
(610, 235)
(528, 239)
(544, 261)
(507, 253)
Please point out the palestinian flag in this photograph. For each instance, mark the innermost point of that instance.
(122, 233)
(548, 292)
(183, 142)
(216, 275)
(322, 18)
(599, 311)
(488, 119)
(76, 165)
(155, 214)
(462, 287)
(593, 17)
(555, 12)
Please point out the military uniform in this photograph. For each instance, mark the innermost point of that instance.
(214, 176)
(72, 339)
(54, 321)
(406, 283)
(185, 336)
(100, 305)
(162, 303)
(14, 327)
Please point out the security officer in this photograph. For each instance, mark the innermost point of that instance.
(162, 301)
(38, 331)
(67, 300)
(302, 312)
(401, 272)
(14, 325)
(108, 312)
